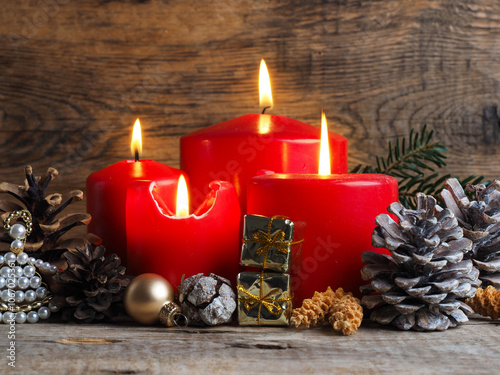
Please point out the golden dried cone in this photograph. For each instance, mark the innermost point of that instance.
(486, 302)
(346, 316)
(313, 310)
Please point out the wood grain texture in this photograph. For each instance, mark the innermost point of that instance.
(74, 75)
(119, 349)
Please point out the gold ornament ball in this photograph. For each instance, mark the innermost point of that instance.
(145, 296)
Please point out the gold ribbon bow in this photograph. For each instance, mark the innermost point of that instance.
(270, 303)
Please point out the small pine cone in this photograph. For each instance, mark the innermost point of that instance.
(423, 283)
(480, 220)
(486, 302)
(313, 310)
(346, 315)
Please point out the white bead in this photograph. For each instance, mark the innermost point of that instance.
(53, 269)
(30, 295)
(43, 312)
(17, 244)
(18, 231)
(23, 282)
(29, 271)
(21, 317)
(6, 294)
(19, 296)
(32, 317)
(35, 282)
(10, 257)
(5, 271)
(18, 271)
(22, 258)
(53, 308)
(2, 259)
(41, 292)
(3, 282)
(8, 316)
(38, 263)
(31, 260)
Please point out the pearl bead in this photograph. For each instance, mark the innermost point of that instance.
(2, 259)
(22, 258)
(6, 294)
(18, 231)
(17, 244)
(19, 296)
(5, 271)
(53, 269)
(31, 260)
(35, 282)
(43, 312)
(23, 282)
(18, 271)
(21, 317)
(32, 317)
(1, 317)
(3, 282)
(41, 292)
(53, 308)
(8, 316)
(30, 296)
(29, 271)
(38, 263)
(10, 257)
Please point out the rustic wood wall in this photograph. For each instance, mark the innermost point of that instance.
(76, 74)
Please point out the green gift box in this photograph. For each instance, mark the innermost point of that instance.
(269, 243)
(264, 298)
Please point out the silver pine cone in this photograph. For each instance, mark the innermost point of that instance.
(480, 221)
(423, 284)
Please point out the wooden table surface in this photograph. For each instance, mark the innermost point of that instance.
(127, 348)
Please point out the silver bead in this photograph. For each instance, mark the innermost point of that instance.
(41, 292)
(17, 244)
(8, 316)
(2, 259)
(53, 269)
(32, 317)
(38, 263)
(21, 317)
(29, 271)
(19, 296)
(6, 294)
(18, 231)
(10, 257)
(22, 258)
(43, 312)
(30, 296)
(18, 271)
(23, 282)
(5, 271)
(35, 282)
(3, 282)
(31, 260)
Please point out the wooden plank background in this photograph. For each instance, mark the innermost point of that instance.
(75, 75)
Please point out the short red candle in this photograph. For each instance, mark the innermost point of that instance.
(339, 211)
(106, 196)
(162, 243)
(237, 149)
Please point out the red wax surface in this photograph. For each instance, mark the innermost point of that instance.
(339, 211)
(206, 241)
(237, 149)
(106, 196)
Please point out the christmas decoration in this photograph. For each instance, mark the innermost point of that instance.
(47, 240)
(267, 242)
(341, 309)
(480, 221)
(422, 285)
(486, 302)
(93, 285)
(24, 295)
(264, 298)
(150, 298)
(207, 300)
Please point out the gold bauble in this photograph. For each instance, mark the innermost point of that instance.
(145, 297)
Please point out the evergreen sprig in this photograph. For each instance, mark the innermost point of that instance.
(413, 161)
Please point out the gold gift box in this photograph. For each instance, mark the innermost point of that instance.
(264, 299)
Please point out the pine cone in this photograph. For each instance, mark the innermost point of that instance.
(480, 220)
(46, 241)
(486, 302)
(424, 282)
(346, 315)
(313, 310)
(93, 284)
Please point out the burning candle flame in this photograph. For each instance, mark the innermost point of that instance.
(136, 144)
(324, 149)
(266, 96)
(182, 204)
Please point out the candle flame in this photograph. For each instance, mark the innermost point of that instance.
(182, 204)
(136, 144)
(324, 149)
(266, 96)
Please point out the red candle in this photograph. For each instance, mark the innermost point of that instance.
(176, 245)
(107, 191)
(339, 211)
(237, 149)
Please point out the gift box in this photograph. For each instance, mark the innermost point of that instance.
(271, 243)
(264, 298)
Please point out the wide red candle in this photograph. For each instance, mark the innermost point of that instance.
(106, 197)
(339, 211)
(160, 242)
(237, 149)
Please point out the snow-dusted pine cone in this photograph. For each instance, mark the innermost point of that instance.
(480, 221)
(423, 285)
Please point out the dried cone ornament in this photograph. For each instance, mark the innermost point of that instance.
(423, 284)
(480, 221)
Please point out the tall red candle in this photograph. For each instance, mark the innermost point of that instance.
(237, 149)
(172, 246)
(339, 211)
(106, 196)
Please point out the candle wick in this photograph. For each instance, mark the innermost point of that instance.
(264, 109)
(136, 155)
